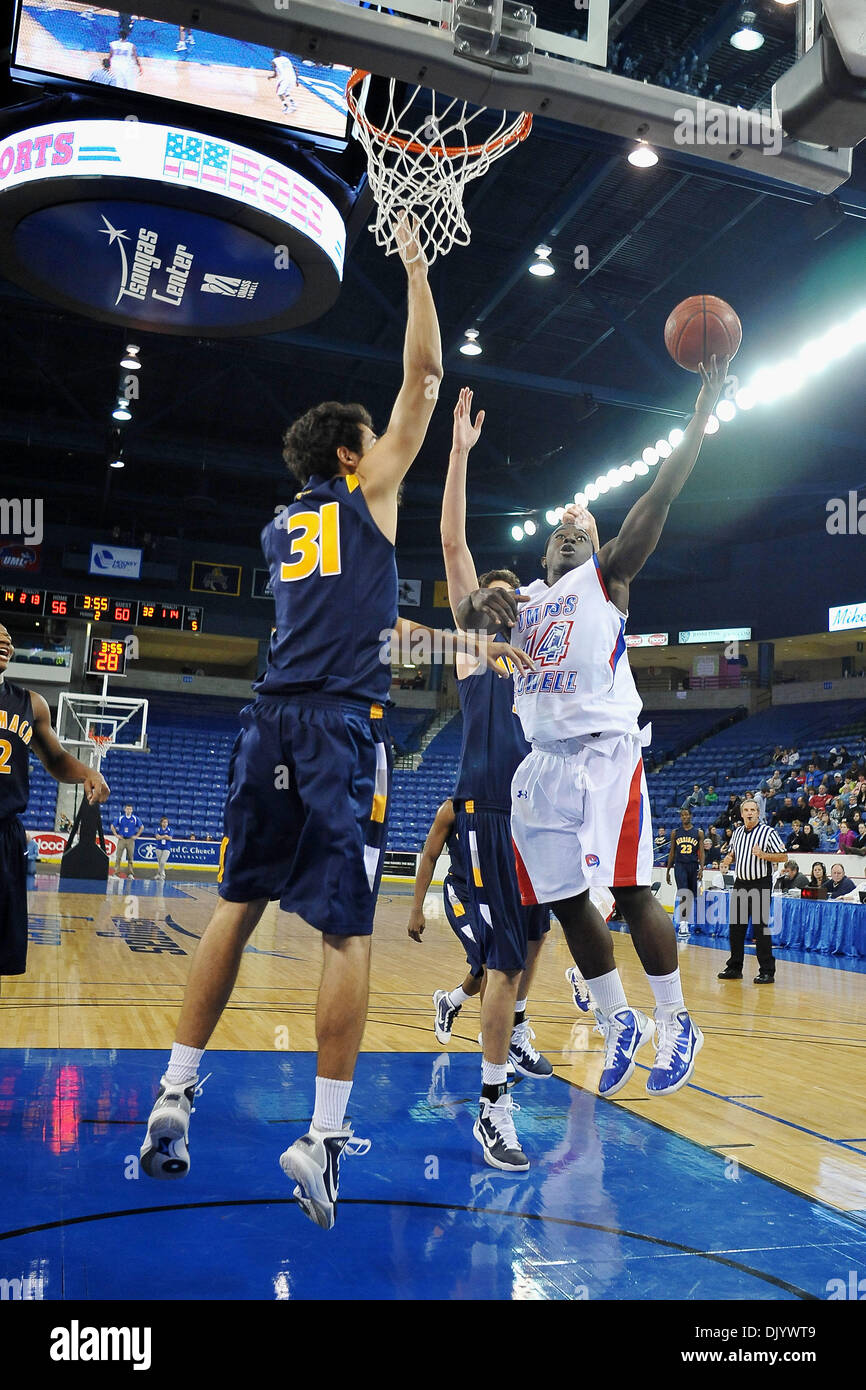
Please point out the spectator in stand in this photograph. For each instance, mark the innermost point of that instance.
(818, 800)
(712, 853)
(711, 797)
(725, 844)
(791, 877)
(660, 843)
(695, 798)
(713, 835)
(32, 857)
(810, 842)
(841, 886)
(786, 812)
(818, 878)
(760, 801)
(730, 817)
(794, 842)
(847, 837)
(801, 806)
(777, 754)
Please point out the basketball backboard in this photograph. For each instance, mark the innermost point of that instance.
(562, 72)
(91, 725)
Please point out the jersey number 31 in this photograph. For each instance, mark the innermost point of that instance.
(315, 543)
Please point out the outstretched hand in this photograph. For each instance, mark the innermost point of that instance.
(500, 605)
(466, 434)
(408, 242)
(713, 378)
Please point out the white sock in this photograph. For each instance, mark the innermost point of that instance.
(492, 1074)
(667, 992)
(520, 1006)
(183, 1064)
(332, 1097)
(457, 997)
(607, 991)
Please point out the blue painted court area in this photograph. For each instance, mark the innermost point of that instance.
(614, 1207)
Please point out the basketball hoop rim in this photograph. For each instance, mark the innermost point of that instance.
(518, 131)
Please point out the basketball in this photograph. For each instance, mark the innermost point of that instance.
(699, 327)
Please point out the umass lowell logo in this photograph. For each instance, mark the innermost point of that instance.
(164, 277)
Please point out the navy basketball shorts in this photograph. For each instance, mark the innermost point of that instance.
(506, 926)
(307, 810)
(458, 911)
(686, 876)
(13, 897)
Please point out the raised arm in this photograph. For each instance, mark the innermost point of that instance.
(55, 759)
(459, 565)
(385, 465)
(622, 558)
(433, 847)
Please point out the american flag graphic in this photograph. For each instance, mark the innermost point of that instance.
(215, 164)
(182, 156)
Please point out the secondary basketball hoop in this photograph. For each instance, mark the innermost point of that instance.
(102, 743)
(419, 160)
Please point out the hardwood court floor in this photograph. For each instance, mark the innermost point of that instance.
(780, 1086)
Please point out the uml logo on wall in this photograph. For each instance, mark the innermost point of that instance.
(115, 560)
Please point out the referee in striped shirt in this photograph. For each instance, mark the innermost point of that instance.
(755, 848)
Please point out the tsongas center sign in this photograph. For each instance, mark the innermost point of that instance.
(166, 229)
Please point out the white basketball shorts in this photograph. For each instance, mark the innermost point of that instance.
(580, 817)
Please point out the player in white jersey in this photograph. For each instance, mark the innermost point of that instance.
(125, 62)
(580, 809)
(287, 80)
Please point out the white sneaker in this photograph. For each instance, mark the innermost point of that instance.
(165, 1152)
(495, 1132)
(314, 1163)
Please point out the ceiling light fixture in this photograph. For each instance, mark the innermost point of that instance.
(643, 156)
(747, 39)
(121, 411)
(471, 347)
(130, 360)
(542, 266)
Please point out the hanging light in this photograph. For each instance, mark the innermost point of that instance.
(471, 347)
(726, 410)
(747, 39)
(529, 526)
(121, 411)
(517, 532)
(580, 499)
(664, 448)
(712, 425)
(643, 156)
(130, 360)
(542, 265)
(117, 463)
(550, 517)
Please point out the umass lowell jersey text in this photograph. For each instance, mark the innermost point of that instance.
(493, 743)
(16, 731)
(334, 577)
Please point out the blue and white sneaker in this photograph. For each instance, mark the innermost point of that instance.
(313, 1161)
(624, 1032)
(523, 1056)
(165, 1151)
(579, 990)
(679, 1042)
(443, 1020)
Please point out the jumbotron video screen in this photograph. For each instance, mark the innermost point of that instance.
(123, 51)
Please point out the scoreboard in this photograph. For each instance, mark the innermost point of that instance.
(107, 657)
(102, 608)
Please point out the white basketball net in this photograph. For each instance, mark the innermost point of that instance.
(419, 162)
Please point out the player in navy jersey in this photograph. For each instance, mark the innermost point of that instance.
(458, 911)
(25, 723)
(686, 858)
(580, 809)
(309, 779)
(492, 749)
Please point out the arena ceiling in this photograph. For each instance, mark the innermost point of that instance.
(574, 375)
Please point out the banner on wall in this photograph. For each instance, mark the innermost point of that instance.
(409, 593)
(440, 594)
(207, 578)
